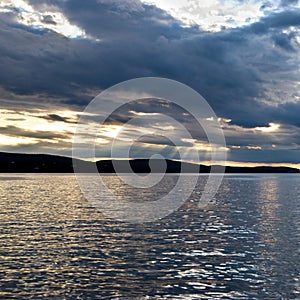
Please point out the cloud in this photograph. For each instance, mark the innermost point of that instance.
(217, 65)
(48, 19)
(45, 135)
(55, 117)
(213, 15)
(249, 73)
(276, 20)
(285, 3)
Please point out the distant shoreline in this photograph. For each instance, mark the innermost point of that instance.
(46, 163)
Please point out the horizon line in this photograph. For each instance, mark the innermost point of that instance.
(205, 163)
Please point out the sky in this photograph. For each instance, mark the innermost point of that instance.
(241, 56)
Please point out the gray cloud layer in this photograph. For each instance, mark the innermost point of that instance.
(248, 74)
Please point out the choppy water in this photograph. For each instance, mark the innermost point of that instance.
(55, 245)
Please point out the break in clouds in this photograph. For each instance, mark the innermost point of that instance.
(56, 56)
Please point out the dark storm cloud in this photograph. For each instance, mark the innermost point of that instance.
(234, 69)
(142, 42)
(285, 3)
(284, 41)
(288, 113)
(276, 20)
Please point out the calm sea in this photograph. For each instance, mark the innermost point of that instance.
(55, 245)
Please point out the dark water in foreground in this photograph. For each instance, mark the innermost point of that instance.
(55, 245)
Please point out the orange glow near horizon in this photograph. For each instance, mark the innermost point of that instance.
(253, 164)
(21, 128)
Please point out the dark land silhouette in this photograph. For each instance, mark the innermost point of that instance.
(45, 163)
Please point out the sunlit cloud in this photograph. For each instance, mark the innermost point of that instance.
(271, 128)
(16, 141)
(211, 15)
(253, 147)
(28, 128)
(140, 114)
(51, 19)
(111, 131)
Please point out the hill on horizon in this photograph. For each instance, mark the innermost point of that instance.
(46, 163)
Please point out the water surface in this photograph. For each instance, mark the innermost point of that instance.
(55, 245)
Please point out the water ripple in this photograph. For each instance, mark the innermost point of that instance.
(54, 245)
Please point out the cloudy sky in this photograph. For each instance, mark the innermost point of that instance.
(242, 56)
